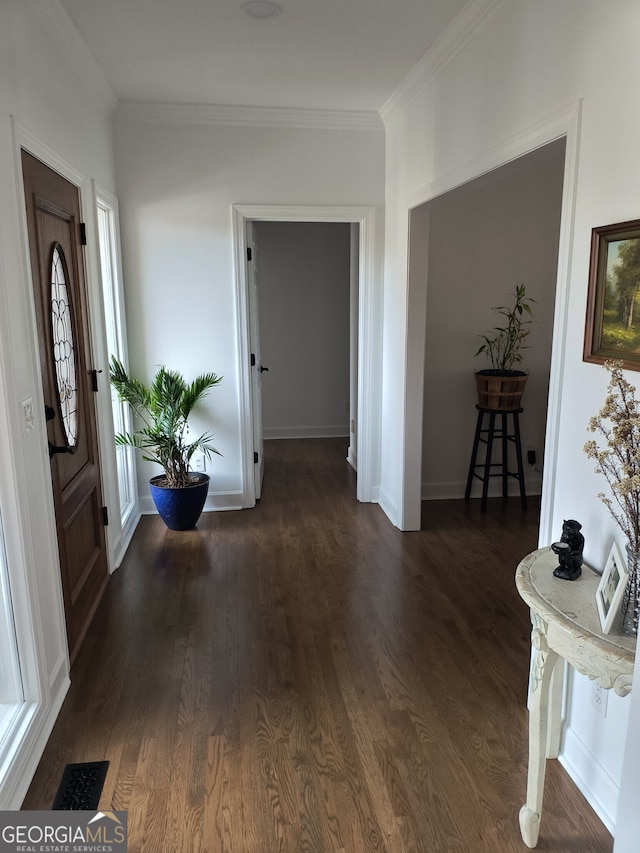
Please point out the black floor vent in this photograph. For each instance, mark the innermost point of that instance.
(81, 787)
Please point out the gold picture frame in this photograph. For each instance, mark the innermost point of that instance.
(612, 327)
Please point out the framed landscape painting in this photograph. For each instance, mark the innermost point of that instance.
(613, 304)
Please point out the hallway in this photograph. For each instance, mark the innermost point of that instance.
(302, 676)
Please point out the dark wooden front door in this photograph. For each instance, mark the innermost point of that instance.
(57, 267)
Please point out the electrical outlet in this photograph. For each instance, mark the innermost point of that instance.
(198, 462)
(599, 699)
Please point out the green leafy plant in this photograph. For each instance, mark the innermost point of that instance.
(164, 407)
(503, 346)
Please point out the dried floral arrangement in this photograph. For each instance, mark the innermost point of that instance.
(618, 460)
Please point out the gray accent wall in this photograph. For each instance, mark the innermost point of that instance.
(485, 238)
(304, 296)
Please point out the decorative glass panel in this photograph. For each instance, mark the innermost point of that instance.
(63, 346)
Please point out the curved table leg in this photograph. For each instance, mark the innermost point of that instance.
(555, 710)
(541, 740)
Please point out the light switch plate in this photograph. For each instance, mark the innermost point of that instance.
(28, 416)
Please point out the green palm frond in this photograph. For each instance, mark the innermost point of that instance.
(164, 407)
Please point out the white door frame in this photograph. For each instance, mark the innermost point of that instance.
(253, 284)
(564, 123)
(367, 415)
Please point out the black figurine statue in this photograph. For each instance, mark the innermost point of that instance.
(569, 551)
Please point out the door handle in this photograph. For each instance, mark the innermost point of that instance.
(50, 413)
(54, 448)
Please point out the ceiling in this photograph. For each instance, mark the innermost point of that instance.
(316, 54)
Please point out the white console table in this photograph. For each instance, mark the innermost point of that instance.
(565, 625)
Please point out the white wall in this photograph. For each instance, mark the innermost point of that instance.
(177, 182)
(628, 822)
(484, 239)
(53, 99)
(304, 296)
(507, 78)
(480, 97)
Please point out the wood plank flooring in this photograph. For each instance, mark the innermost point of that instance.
(304, 677)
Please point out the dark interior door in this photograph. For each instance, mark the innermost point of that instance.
(53, 217)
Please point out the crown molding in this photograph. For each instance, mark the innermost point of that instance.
(457, 35)
(60, 27)
(248, 116)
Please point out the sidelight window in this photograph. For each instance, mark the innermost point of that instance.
(11, 695)
(115, 335)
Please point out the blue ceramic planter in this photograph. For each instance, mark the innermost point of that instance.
(180, 508)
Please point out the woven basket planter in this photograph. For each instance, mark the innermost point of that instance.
(499, 391)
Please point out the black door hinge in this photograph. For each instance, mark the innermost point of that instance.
(105, 516)
(249, 253)
(255, 456)
(253, 359)
(83, 234)
(94, 380)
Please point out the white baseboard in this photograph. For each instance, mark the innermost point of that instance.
(216, 502)
(599, 789)
(352, 458)
(31, 729)
(453, 490)
(388, 507)
(340, 431)
(126, 536)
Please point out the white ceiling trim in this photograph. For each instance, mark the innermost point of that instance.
(249, 116)
(63, 31)
(461, 31)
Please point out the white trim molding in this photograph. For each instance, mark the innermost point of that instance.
(215, 502)
(124, 522)
(369, 336)
(564, 123)
(462, 30)
(44, 660)
(228, 114)
(337, 431)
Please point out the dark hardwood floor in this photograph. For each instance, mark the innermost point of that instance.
(304, 677)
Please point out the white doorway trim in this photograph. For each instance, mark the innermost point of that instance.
(29, 528)
(367, 416)
(564, 123)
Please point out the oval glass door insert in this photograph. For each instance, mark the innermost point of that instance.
(63, 346)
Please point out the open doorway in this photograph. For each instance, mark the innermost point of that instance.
(305, 330)
(358, 397)
(484, 238)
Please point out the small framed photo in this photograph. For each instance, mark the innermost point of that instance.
(611, 588)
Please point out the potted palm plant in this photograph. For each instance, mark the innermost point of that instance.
(501, 386)
(163, 408)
